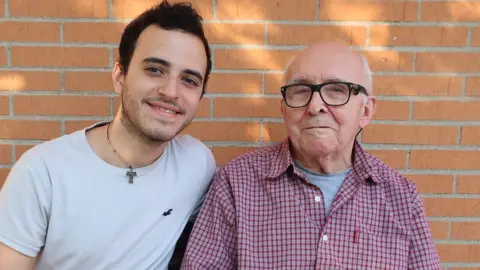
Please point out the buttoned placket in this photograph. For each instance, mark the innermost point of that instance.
(325, 257)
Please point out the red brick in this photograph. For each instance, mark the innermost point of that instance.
(253, 58)
(60, 8)
(274, 132)
(88, 81)
(476, 37)
(450, 11)
(128, 9)
(273, 82)
(224, 131)
(448, 62)
(452, 207)
(62, 105)
(439, 229)
(203, 109)
(224, 155)
(372, 10)
(387, 85)
(4, 105)
(445, 159)
(30, 80)
(20, 149)
(459, 253)
(410, 134)
(29, 31)
(247, 107)
(287, 34)
(396, 159)
(470, 135)
(436, 36)
(60, 56)
(75, 125)
(446, 110)
(468, 184)
(465, 230)
(248, 83)
(389, 60)
(29, 129)
(392, 110)
(266, 9)
(5, 153)
(431, 183)
(3, 56)
(3, 175)
(473, 86)
(2, 8)
(93, 32)
(235, 33)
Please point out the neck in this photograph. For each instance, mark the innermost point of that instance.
(133, 147)
(330, 163)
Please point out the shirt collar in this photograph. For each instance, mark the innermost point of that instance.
(362, 163)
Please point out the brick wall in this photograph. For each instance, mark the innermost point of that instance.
(56, 57)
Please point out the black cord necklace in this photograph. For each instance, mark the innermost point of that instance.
(131, 173)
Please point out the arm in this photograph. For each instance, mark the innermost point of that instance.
(422, 254)
(24, 208)
(212, 242)
(11, 259)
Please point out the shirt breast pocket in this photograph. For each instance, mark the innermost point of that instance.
(386, 251)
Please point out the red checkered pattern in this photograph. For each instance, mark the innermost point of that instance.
(261, 213)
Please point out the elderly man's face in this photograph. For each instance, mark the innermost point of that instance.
(318, 128)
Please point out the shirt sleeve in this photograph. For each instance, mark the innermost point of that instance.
(423, 254)
(24, 208)
(212, 242)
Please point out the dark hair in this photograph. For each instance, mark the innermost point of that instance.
(178, 16)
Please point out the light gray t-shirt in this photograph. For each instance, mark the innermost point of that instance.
(329, 184)
(81, 213)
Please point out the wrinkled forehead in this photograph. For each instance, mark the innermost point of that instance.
(318, 66)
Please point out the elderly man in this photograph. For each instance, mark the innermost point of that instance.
(317, 200)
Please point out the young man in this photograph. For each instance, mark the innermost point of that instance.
(118, 195)
(317, 200)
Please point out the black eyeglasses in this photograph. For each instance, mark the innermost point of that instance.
(332, 93)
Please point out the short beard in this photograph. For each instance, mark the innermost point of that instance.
(128, 120)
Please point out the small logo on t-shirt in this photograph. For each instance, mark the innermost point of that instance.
(167, 212)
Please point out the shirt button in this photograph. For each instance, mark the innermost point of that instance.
(317, 198)
(325, 238)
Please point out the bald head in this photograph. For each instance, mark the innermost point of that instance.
(330, 60)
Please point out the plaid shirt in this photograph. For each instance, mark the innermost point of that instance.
(261, 213)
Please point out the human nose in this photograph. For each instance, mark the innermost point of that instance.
(316, 105)
(169, 88)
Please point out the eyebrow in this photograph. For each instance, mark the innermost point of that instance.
(163, 62)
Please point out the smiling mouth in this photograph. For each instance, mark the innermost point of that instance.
(164, 109)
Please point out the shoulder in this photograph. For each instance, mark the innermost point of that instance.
(193, 153)
(55, 149)
(188, 145)
(255, 163)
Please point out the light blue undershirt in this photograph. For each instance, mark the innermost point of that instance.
(329, 184)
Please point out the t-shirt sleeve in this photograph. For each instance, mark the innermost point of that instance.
(25, 201)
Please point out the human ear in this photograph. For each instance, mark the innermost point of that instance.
(118, 77)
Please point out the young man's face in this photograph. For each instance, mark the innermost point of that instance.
(163, 86)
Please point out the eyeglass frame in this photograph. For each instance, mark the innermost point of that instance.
(356, 88)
